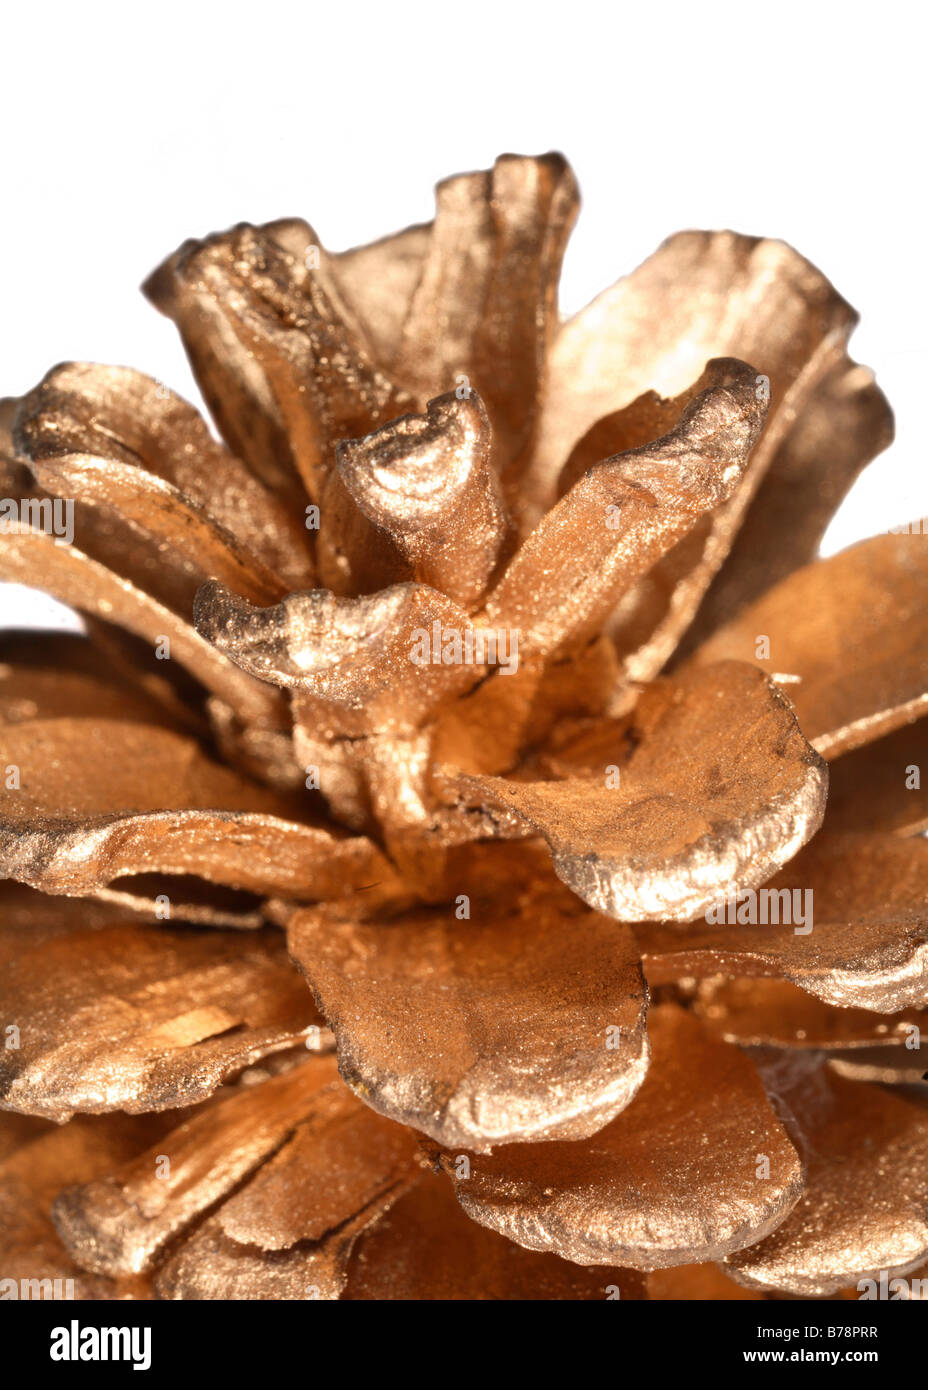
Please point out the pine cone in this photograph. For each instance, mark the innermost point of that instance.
(419, 881)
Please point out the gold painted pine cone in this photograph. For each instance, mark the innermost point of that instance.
(464, 870)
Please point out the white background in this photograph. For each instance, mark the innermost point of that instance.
(126, 128)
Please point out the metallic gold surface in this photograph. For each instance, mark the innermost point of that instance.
(192, 901)
(703, 1283)
(378, 281)
(322, 1169)
(489, 728)
(289, 1160)
(100, 799)
(212, 1266)
(755, 792)
(864, 1205)
(646, 1191)
(869, 945)
(341, 1160)
(413, 439)
(843, 422)
(649, 621)
(895, 1066)
(29, 919)
(849, 630)
(427, 481)
(775, 1013)
(350, 656)
(485, 305)
(275, 350)
(123, 443)
(617, 520)
(425, 1248)
(523, 1020)
(55, 675)
(35, 1168)
(77, 579)
(119, 1223)
(700, 295)
(142, 1018)
(647, 338)
(873, 787)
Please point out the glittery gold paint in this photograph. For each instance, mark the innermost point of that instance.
(370, 748)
